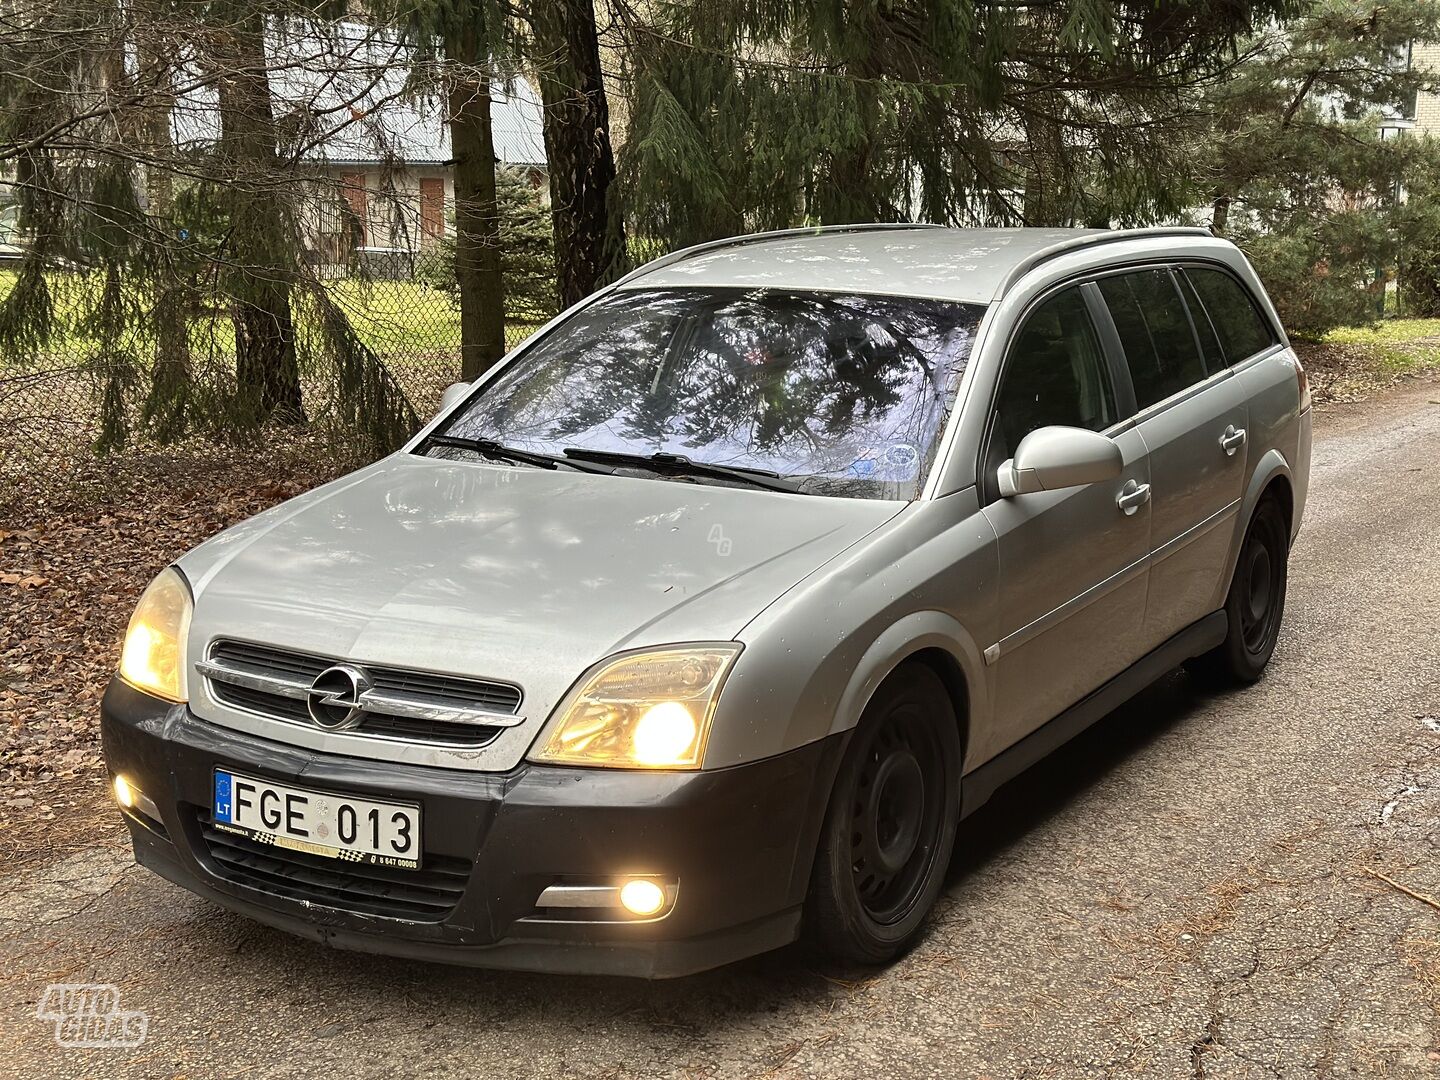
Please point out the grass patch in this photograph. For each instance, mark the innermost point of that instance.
(1395, 346)
(395, 319)
(1352, 363)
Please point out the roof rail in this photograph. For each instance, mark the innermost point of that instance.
(752, 238)
(1095, 239)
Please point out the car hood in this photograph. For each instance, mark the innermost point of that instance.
(520, 574)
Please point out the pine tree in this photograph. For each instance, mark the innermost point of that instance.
(457, 46)
(527, 252)
(1291, 156)
(748, 115)
(85, 96)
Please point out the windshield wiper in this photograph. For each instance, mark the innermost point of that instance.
(680, 465)
(498, 451)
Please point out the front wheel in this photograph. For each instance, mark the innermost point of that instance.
(890, 827)
(1256, 602)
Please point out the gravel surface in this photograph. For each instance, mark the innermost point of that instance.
(1242, 885)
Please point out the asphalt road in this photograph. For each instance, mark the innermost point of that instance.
(1196, 887)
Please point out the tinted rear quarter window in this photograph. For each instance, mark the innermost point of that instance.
(1155, 331)
(1243, 332)
(1204, 328)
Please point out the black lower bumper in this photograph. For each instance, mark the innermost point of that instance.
(738, 841)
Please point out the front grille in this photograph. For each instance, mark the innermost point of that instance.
(242, 697)
(274, 661)
(425, 895)
(418, 688)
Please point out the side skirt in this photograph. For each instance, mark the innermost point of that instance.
(1197, 638)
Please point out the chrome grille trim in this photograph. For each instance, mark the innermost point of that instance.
(399, 698)
(375, 700)
(270, 684)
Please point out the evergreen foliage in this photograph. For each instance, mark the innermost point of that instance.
(181, 260)
(761, 115)
(527, 252)
(1293, 159)
(85, 99)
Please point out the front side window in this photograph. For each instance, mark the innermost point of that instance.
(1155, 332)
(845, 394)
(1242, 331)
(1055, 373)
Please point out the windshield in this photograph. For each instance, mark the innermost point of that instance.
(845, 394)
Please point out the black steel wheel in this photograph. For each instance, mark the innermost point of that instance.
(891, 823)
(1255, 605)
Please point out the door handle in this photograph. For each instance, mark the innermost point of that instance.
(1132, 496)
(1232, 440)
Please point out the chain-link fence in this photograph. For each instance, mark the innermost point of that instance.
(59, 399)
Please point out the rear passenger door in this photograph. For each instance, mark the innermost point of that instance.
(1192, 415)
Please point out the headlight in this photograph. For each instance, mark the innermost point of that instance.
(645, 710)
(153, 659)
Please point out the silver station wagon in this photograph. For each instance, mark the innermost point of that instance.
(697, 625)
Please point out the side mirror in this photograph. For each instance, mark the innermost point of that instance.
(1051, 458)
(452, 396)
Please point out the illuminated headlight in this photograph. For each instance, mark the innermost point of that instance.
(645, 710)
(153, 658)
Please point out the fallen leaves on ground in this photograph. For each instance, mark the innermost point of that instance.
(72, 566)
(1344, 373)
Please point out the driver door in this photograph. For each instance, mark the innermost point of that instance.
(1072, 563)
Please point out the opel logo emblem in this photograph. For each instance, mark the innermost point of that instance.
(334, 697)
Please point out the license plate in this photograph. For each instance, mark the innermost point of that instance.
(345, 827)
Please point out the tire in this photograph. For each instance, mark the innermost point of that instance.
(890, 827)
(1255, 605)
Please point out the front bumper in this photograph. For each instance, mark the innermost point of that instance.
(739, 841)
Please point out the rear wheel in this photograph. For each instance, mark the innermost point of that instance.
(1256, 603)
(891, 823)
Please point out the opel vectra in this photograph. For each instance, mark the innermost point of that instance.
(697, 624)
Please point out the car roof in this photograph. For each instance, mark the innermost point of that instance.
(967, 265)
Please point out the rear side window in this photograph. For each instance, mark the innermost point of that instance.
(1155, 330)
(1055, 374)
(1204, 328)
(1243, 332)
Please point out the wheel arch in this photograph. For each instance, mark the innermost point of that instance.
(1281, 487)
(1272, 474)
(931, 638)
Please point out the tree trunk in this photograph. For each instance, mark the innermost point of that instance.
(1049, 192)
(477, 218)
(115, 200)
(589, 235)
(261, 278)
(1220, 219)
(171, 379)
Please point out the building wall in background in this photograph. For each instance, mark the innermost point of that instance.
(1427, 106)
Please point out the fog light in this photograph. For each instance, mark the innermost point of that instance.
(641, 896)
(124, 793)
